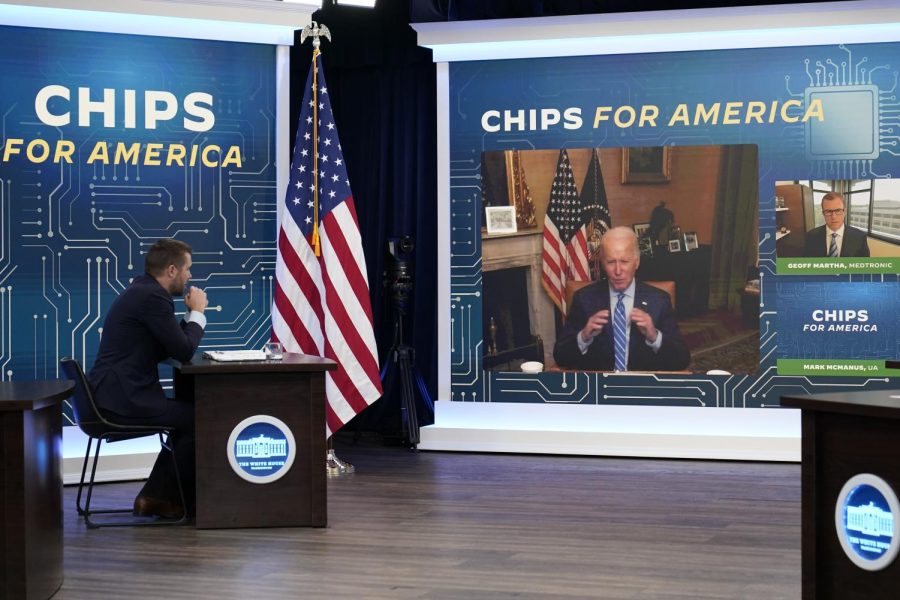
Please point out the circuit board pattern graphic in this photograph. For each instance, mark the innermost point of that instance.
(864, 115)
(73, 235)
(850, 80)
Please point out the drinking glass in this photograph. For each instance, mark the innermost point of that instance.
(274, 350)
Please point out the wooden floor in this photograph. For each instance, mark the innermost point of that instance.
(442, 525)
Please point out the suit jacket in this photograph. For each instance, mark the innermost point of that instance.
(673, 355)
(139, 331)
(853, 244)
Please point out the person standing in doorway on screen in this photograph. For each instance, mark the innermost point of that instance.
(835, 238)
(140, 331)
(621, 324)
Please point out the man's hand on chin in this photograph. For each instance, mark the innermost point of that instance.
(195, 299)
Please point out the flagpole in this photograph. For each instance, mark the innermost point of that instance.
(317, 248)
(334, 466)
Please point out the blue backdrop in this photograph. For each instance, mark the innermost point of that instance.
(853, 86)
(73, 235)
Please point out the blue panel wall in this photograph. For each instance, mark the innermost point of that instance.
(74, 231)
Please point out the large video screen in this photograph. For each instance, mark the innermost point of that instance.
(719, 164)
(553, 227)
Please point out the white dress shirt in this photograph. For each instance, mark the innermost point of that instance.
(195, 316)
(839, 239)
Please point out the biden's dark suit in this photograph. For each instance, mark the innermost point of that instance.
(854, 243)
(139, 331)
(673, 355)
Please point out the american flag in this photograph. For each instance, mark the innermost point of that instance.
(321, 303)
(565, 254)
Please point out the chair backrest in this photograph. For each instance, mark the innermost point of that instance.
(666, 286)
(572, 287)
(85, 411)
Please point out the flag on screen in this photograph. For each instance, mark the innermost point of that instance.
(565, 253)
(595, 208)
(321, 300)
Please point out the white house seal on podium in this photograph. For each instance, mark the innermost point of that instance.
(866, 520)
(261, 449)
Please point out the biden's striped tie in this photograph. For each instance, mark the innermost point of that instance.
(619, 335)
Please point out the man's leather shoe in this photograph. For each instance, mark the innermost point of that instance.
(145, 506)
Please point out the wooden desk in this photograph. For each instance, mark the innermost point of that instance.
(225, 393)
(844, 434)
(31, 526)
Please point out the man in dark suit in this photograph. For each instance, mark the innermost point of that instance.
(621, 324)
(140, 331)
(835, 238)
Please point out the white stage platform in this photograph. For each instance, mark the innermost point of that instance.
(122, 461)
(641, 431)
(762, 434)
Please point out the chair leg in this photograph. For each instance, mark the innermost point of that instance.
(87, 503)
(87, 455)
(136, 521)
(92, 524)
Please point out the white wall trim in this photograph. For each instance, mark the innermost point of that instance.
(282, 129)
(444, 331)
(762, 434)
(860, 21)
(252, 21)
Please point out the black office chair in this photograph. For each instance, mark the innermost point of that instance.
(97, 427)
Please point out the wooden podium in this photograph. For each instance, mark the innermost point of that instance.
(844, 435)
(291, 390)
(31, 526)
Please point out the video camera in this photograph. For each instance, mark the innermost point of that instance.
(398, 272)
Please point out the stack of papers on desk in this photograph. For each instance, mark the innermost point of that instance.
(234, 355)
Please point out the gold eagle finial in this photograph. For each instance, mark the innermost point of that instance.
(315, 30)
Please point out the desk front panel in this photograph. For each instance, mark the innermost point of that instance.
(835, 448)
(224, 400)
(31, 530)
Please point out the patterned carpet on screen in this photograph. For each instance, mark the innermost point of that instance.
(720, 340)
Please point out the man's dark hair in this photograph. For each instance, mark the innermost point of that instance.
(163, 253)
(834, 196)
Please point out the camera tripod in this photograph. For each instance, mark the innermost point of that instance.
(401, 357)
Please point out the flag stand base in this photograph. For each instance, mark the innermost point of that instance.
(335, 467)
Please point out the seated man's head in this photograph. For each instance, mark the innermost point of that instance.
(620, 256)
(169, 261)
(834, 210)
